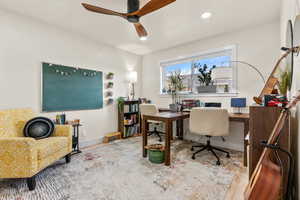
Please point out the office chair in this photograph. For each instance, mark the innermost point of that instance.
(209, 122)
(151, 109)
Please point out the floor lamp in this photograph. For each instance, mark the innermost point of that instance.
(221, 74)
(132, 79)
(251, 66)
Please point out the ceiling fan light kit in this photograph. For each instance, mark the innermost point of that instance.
(134, 13)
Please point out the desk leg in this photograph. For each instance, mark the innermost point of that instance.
(246, 131)
(168, 143)
(179, 129)
(145, 128)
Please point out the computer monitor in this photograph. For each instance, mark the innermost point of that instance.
(238, 103)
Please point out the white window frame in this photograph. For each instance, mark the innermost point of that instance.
(202, 55)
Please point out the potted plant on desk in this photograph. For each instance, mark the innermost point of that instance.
(175, 86)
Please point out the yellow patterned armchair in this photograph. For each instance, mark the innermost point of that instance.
(23, 157)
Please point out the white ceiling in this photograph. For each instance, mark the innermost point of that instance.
(173, 25)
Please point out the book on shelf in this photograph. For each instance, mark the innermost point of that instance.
(132, 119)
(126, 108)
(131, 130)
(131, 108)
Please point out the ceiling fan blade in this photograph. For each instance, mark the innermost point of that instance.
(140, 30)
(102, 10)
(151, 6)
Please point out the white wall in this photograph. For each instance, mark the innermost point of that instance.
(258, 46)
(290, 9)
(25, 43)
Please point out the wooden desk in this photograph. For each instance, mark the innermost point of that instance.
(167, 118)
(243, 118)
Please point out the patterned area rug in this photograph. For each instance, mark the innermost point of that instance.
(117, 171)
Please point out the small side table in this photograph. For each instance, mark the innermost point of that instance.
(75, 139)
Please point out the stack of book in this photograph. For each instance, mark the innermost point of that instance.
(131, 130)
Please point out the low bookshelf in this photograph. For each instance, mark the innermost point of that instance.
(129, 119)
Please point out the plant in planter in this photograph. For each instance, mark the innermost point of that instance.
(284, 82)
(175, 86)
(110, 75)
(204, 77)
(110, 85)
(121, 102)
(109, 94)
(110, 101)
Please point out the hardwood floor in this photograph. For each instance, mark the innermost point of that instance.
(236, 191)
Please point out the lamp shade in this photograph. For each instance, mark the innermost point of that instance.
(132, 77)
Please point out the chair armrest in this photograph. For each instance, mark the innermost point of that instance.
(64, 131)
(18, 157)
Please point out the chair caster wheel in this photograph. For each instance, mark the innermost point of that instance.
(228, 156)
(192, 149)
(218, 163)
(193, 157)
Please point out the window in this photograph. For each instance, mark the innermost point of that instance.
(204, 74)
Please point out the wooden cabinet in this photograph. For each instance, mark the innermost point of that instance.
(262, 122)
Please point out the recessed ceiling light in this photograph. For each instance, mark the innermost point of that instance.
(144, 38)
(206, 15)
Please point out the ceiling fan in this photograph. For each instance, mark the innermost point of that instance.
(134, 12)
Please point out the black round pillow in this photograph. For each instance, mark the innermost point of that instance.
(39, 128)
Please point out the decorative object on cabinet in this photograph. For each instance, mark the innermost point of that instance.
(128, 117)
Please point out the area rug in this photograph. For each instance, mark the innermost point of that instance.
(117, 171)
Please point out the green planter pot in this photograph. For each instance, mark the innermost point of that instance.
(156, 156)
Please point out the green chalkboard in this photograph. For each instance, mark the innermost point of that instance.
(68, 88)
